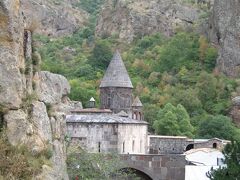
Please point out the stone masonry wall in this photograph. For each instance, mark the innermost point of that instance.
(158, 167)
(164, 145)
(90, 135)
(110, 136)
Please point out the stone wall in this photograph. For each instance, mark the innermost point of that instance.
(134, 138)
(211, 143)
(167, 144)
(89, 136)
(158, 167)
(117, 99)
(107, 137)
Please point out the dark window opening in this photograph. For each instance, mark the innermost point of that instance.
(123, 147)
(189, 147)
(215, 145)
(99, 147)
(108, 102)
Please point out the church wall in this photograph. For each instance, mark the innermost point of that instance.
(116, 99)
(94, 137)
(132, 138)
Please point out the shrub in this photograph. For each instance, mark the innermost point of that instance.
(17, 162)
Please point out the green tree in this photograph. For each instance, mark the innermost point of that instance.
(210, 58)
(82, 90)
(150, 114)
(189, 99)
(101, 54)
(173, 121)
(95, 166)
(181, 50)
(185, 126)
(232, 161)
(167, 125)
(217, 126)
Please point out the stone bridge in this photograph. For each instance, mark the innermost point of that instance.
(156, 167)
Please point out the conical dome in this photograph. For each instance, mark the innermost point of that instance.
(116, 74)
(137, 102)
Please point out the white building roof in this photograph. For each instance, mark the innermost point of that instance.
(204, 156)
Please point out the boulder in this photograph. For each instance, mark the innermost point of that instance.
(51, 88)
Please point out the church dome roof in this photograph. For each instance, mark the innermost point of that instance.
(116, 74)
(137, 102)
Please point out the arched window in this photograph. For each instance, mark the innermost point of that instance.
(215, 145)
(140, 116)
(108, 102)
(134, 115)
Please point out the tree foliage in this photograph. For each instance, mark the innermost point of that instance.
(101, 54)
(232, 160)
(173, 120)
(218, 126)
(83, 165)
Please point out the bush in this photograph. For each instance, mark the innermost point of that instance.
(18, 162)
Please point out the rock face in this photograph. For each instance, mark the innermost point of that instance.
(225, 32)
(31, 102)
(52, 87)
(130, 19)
(11, 54)
(53, 18)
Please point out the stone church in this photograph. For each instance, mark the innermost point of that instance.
(118, 126)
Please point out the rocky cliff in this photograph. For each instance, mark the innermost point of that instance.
(32, 103)
(225, 32)
(53, 18)
(130, 19)
(218, 19)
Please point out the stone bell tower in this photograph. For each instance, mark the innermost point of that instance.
(116, 87)
(137, 109)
